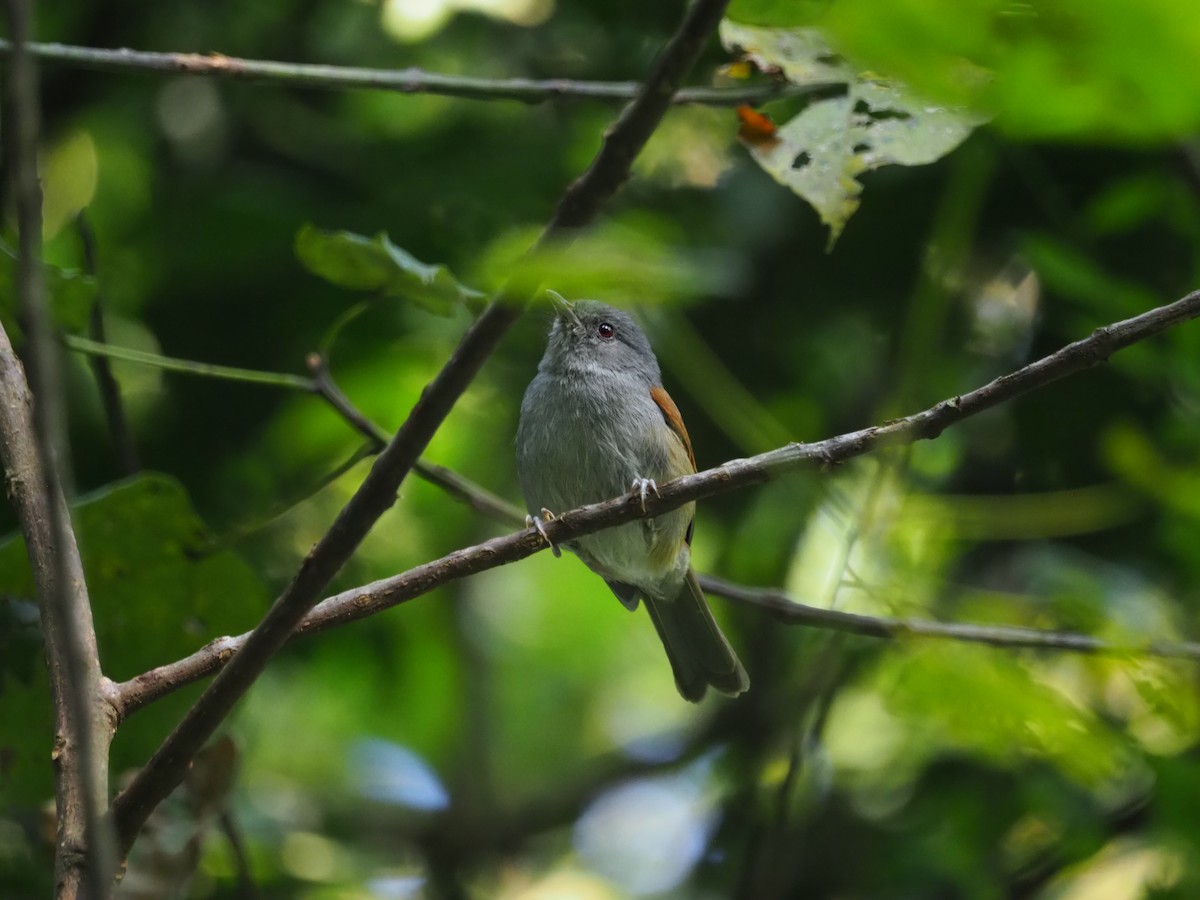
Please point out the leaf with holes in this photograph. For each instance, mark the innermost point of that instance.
(821, 152)
(363, 263)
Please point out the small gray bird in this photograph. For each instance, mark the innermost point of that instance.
(596, 422)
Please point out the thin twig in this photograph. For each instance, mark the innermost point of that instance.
(790, 612)
(624, 140)
(407, 81)
(324, 386)
(475, 496)
(580, 203)
(189, 367)
(110, 391)
(33, 446)
(370, 599)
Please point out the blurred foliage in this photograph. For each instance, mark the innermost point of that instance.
(71, 293)
(517, 735)
(376, 264)
(159, 590)
(1094, 69)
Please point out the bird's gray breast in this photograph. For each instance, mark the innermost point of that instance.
(584, 438)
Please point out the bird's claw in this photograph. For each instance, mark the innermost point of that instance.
(538, 524)
(643, 488)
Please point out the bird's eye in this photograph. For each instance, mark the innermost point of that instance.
(606, 331)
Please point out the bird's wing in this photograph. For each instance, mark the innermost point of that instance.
(674, 421)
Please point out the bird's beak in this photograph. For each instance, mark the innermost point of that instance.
(563, 308)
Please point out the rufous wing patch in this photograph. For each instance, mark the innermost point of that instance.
(675, 422)
(673, 419)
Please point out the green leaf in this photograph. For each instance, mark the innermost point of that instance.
(71, 294)
(376, 264)
(158, 592)
(821, 152)
(1076, 69)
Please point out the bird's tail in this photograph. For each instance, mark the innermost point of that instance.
(699, 653)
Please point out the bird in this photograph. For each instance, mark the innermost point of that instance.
(595, 423)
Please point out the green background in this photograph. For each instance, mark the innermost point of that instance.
(517, 734)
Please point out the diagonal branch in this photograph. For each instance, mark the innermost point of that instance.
(579, 205)
(406, 81)
(32, 447)
(365, 601)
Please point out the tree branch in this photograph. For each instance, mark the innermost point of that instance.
(579, 204)
(791, 612)
(365, 601)
(407, 81)
(31, 447)
(72, 659)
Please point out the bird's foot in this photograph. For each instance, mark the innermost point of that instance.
(643, 488)
(538, 524)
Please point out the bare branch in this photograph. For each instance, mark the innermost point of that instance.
(406, 81)
(365, 601)
(325, 387)
(31, 446)
(579, 205)
(475, 496)
(624, 140)
(81, 695)
(790, 612)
